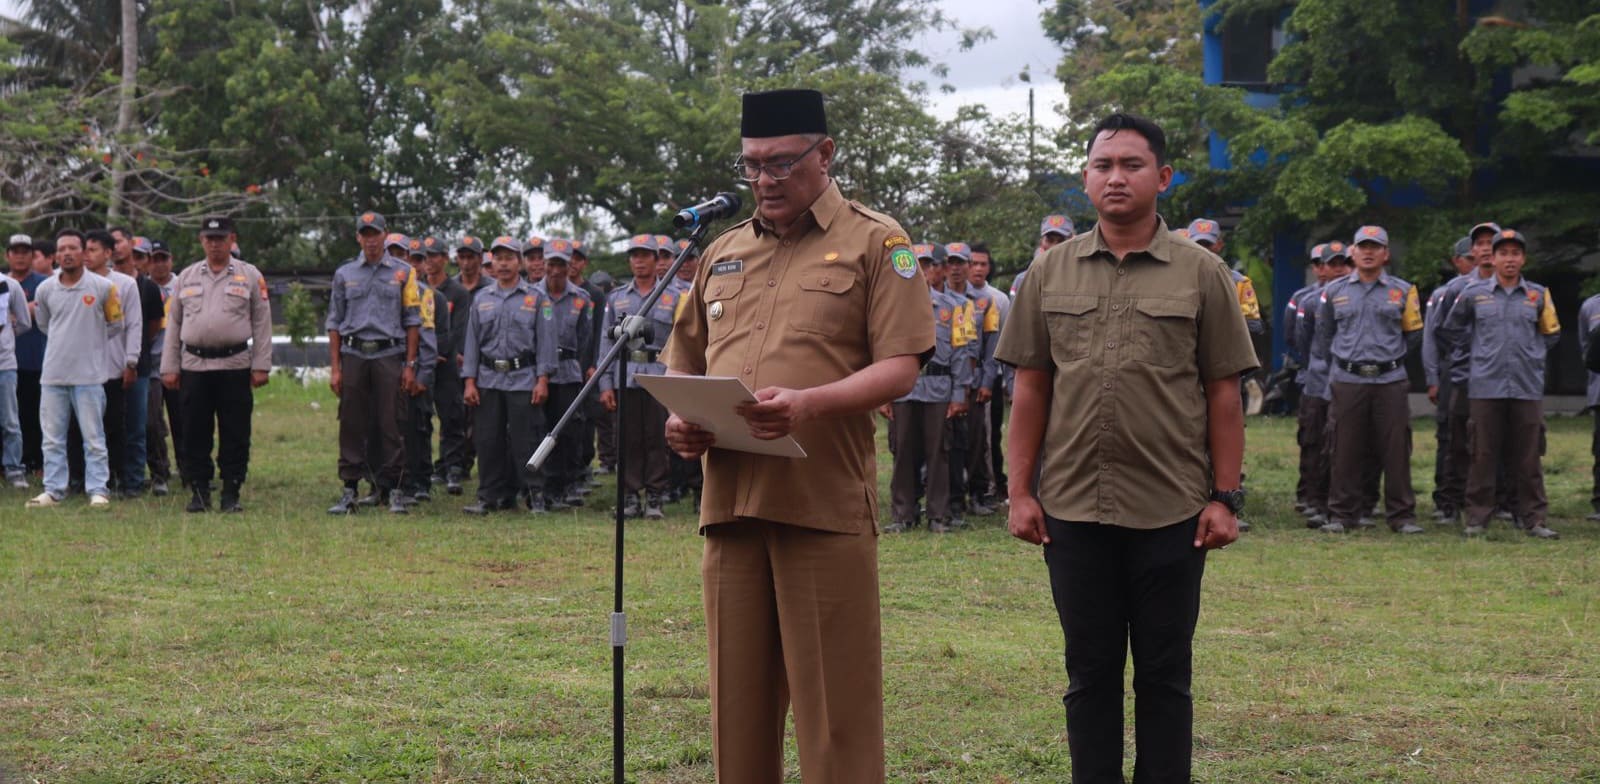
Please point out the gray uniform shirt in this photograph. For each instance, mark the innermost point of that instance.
(14, 320)
(79, 320)
(1588, 322)
(1316, 377)
(376, 301)
(1508, 332)
(1366, 322)
(951, 352)
(1439, 353)
(625, 301)
(506, 324)
(1291, 320)
(571, 319)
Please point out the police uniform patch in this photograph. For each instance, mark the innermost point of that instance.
(1533, 297)
(399, 276)
(896, 240)
(237, 291)
(714, 311)
(727, 267)
(88, 299)
(905, 265)
(527, 302)
(1395, 295)
(547, 312)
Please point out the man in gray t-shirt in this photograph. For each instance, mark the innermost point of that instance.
(78, 311)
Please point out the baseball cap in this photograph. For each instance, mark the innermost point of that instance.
(396, 240)
(1371, 234)
(641, 242)
(533, 244)
(558, 250)
(1489, 226)
(1316, 252)
(505, 242)
(1464, 246)
(1056, 224)
(141, 246)
(923, 250)
(663, 243)
(471, 243)
(159, 248)
(371, 220)
(1205, 230)
(577, 250)
(1335, 250)
(602, 279)
(216, 226)
(415, 248)
(433, 246)
(958, 250)
(1510, 235)
(693, 251)
(19, 241)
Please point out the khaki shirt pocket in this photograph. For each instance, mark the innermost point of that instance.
(1165, 331)
(1071, 321)
(824, 305)
(722, 306)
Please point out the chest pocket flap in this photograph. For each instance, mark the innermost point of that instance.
(824, 307)
(723, 287)
(1071, 321)
(1070, 304)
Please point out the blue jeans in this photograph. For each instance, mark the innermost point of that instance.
(10, 426)
(57, 404)
(135, 417)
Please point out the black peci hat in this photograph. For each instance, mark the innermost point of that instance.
(783, 113)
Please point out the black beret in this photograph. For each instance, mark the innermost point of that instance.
(783, 113)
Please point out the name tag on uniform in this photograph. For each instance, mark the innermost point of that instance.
(190, 291)
(727, 267)
(237, 291)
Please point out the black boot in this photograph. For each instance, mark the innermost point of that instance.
(230, 497)
(346, 503)
(200, 501)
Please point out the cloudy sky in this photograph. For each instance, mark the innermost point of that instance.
(988, 73)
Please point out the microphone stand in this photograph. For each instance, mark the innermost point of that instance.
(629, 336)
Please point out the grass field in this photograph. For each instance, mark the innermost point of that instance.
(141, 644)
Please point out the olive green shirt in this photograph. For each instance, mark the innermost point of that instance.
(1130, 345)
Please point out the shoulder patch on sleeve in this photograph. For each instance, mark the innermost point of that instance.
(898, 239)
(905, 265)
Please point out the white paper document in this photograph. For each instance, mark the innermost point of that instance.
(712, 402)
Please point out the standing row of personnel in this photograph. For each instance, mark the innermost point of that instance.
(1484, 342)
(115, 322)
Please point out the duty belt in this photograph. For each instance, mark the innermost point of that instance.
(216, 353)
(1368, 369)
(507, 365)
(643, 357)
(369, 346)
(566, 353)
(935, 369)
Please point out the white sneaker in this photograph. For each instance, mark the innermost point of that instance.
(20, 482)
(41, 500)
(99, 500)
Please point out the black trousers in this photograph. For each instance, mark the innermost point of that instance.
(955, 439)
(1594, 451)
(28, 412)
(562, 470)
(453, 443)
(222, 398)
(418, 439)
(645, 438)
(997, 450)
(1115, 587)
(370, 445)
(507, 430)
(116, 435)
(155, 432)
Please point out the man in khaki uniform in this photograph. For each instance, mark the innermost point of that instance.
(218, 348)
(816, 304)
(1128, 344)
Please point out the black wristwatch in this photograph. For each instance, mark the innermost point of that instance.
(1233, 499)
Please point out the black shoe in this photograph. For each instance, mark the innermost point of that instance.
(480, 509)
(1541, 532)
(980, 508)
(556, 503)
(1409, 529)
(200, 501)
(373, 498)
(421, 494)
(652, 507)
(452, 483)
(940, 526)
(574, 498)
(159, 489)
(435, 479)
(346, 504)
(230, 498)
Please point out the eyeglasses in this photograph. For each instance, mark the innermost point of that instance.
(778, 171)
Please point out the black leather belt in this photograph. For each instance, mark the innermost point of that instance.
(642, 357)
(1368, 369)
(566, 353)
(369, 346)
(216, 353)
(935, 369)
(507, 365)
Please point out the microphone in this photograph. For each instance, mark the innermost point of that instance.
(722, 205)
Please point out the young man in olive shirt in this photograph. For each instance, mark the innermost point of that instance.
(1128, 344)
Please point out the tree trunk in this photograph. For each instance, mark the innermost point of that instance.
(130, 89)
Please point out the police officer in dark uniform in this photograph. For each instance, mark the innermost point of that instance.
(374, 333)
(217, 348)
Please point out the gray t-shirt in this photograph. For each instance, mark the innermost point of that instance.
(79, 320)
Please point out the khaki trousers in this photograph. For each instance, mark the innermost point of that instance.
(1367, 419)
(792, 616)
(1506, 434)
(918, 441)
